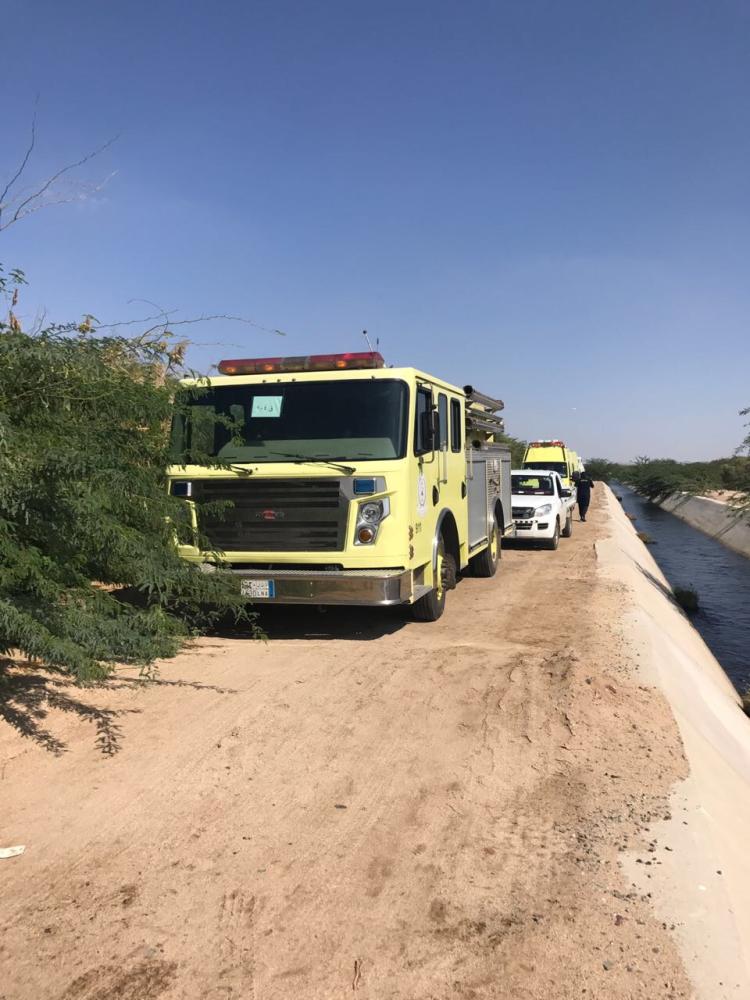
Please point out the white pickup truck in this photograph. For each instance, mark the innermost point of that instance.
(542, 506)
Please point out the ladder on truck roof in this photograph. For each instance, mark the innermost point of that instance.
(481, 412)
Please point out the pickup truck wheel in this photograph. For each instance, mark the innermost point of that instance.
(552, 543)
(484, 564)
(430, 607)
(568, 529)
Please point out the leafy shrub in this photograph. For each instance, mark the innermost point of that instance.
(687, 598)
(84, 508)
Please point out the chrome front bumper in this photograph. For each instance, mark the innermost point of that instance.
(362, 587)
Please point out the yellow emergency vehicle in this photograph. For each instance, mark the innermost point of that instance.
(341, 481)
(554, 455)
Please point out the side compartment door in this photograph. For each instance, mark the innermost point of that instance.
(452, 478)
(427, 469)
(457, 466)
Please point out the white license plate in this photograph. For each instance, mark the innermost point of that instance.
(257, 588)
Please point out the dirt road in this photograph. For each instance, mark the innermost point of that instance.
(360, 808)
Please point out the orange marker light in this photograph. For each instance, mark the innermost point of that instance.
(310, 363)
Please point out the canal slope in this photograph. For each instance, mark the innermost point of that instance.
(699, 871)
(714, 517)
(690, 558)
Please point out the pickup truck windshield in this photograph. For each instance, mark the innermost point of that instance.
(355, 419)
(540, 486)
(559, 467)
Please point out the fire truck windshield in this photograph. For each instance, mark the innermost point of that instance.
(349, 419)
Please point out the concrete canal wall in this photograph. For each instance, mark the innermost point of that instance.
(701, 883)
(713, 517)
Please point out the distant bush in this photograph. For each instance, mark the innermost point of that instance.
(601, 468)
(658, 478)
(687, 598)
(517, 448)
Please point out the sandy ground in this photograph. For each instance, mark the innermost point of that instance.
(362, 807)
(724, 496)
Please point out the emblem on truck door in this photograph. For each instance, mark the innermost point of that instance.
(421, 495)
(270, 515)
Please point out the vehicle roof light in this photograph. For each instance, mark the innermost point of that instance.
(547, 444)
(304, 363)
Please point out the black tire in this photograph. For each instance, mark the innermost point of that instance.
(430, 607)
(568, 529)
(484, 564)
(552, 543)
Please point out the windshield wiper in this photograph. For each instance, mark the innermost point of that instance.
(314, 460)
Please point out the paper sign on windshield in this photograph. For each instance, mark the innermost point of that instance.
(266, 406)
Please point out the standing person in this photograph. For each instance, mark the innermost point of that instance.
(584, 486)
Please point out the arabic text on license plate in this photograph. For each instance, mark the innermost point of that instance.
(257, 588)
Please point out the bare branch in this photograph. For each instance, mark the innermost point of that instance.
(24, 161)
(166, 321)
(82, 194)
(40, 321)
(161, 310)
(32, 203)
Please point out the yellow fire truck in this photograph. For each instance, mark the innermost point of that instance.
(341, 481)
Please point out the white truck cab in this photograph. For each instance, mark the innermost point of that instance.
(542, 506)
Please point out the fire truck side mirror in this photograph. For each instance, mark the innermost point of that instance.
(429, 429)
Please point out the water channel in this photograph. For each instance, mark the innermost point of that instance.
(721, 577)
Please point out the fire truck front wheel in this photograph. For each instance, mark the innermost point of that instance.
(430, 607)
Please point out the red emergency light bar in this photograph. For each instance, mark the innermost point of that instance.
(547, 444)
(308, 363)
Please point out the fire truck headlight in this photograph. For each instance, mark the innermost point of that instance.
(369, 517)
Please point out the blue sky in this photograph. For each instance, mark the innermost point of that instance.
(548, 200)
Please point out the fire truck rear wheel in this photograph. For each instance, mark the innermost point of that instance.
(485, 563)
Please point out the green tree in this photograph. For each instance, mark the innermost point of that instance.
(600, 468)
(741, 474)
(517, 448)
(84, 508)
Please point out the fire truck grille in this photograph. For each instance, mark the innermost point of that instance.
(523, 512)
(272, 515)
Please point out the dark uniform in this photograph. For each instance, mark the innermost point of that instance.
(585, 485)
